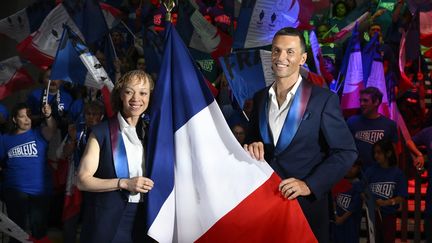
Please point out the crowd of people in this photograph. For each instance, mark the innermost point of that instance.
(60, 141)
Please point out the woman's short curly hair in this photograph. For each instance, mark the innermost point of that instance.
(133, 76)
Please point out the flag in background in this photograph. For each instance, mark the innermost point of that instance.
(75, 63)
(24, 22)
(199, 34)
(259, 20)
(374, 76)
(244, 73)
(13, 76)
(88, 17)
(352, 74)
(41, 46)
(207, 188)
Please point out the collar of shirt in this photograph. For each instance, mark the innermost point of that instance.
(128, 130)
(277, 115)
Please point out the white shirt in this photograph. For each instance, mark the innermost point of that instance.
(134, 152)
(277, 115)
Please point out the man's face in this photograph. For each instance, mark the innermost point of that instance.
(367, 105)
(287, 56)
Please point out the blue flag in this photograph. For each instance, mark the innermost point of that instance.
(75, 63)
(88, 17)
(244, 72)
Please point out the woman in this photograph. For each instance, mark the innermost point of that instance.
(27, 178)
(112, 168)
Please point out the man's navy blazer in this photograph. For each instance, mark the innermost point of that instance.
(315, 146)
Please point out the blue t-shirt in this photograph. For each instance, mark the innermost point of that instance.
(386, 183)
(26, 168)
(349, 201)
(424, 137)
(366, 132)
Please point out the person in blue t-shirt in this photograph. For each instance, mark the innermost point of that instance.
(347, 207)
(371, 126)
(27, 179)
(389, 187)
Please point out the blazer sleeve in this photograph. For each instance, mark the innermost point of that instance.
(340, 147)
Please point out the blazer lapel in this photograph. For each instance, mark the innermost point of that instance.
(263, 120)
(294, 116)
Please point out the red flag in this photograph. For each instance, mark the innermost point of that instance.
(13, 77)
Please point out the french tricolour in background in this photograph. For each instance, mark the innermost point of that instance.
(75, 63)
(24, 22)
(352, 74)
(41, 46)
(260, 19)
(207, 188)
(13, 76)
(374, 76)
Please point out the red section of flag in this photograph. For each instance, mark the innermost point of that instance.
(20, 80)
(115, 12)
(29, 52)
(264, 216)
(224, 46)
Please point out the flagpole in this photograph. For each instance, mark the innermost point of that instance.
(127, 28)
(45, 97)
(169, 5)
(113, 47)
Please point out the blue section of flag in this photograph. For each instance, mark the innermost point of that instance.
(353, 46)
(370, 53)
(243, 70)
(180, 93)
(244, 19)
(67, 65)
(88, 17)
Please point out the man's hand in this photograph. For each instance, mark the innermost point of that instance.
(256, 150)
(291, 188)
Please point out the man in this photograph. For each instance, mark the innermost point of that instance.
(299, 129)
(370, 126)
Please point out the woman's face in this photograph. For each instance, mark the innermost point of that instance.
(135, 97)
(92, 117)
(22, 121)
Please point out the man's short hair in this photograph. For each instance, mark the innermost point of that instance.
(374, 92)
(290, 31)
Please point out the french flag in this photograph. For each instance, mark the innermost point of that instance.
(13, 76)
(41, 46)
(207, 188)
(352, 73)
(24, 22)
(373, 63)
(75, 63)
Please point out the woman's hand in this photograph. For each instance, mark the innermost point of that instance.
(137, 184)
